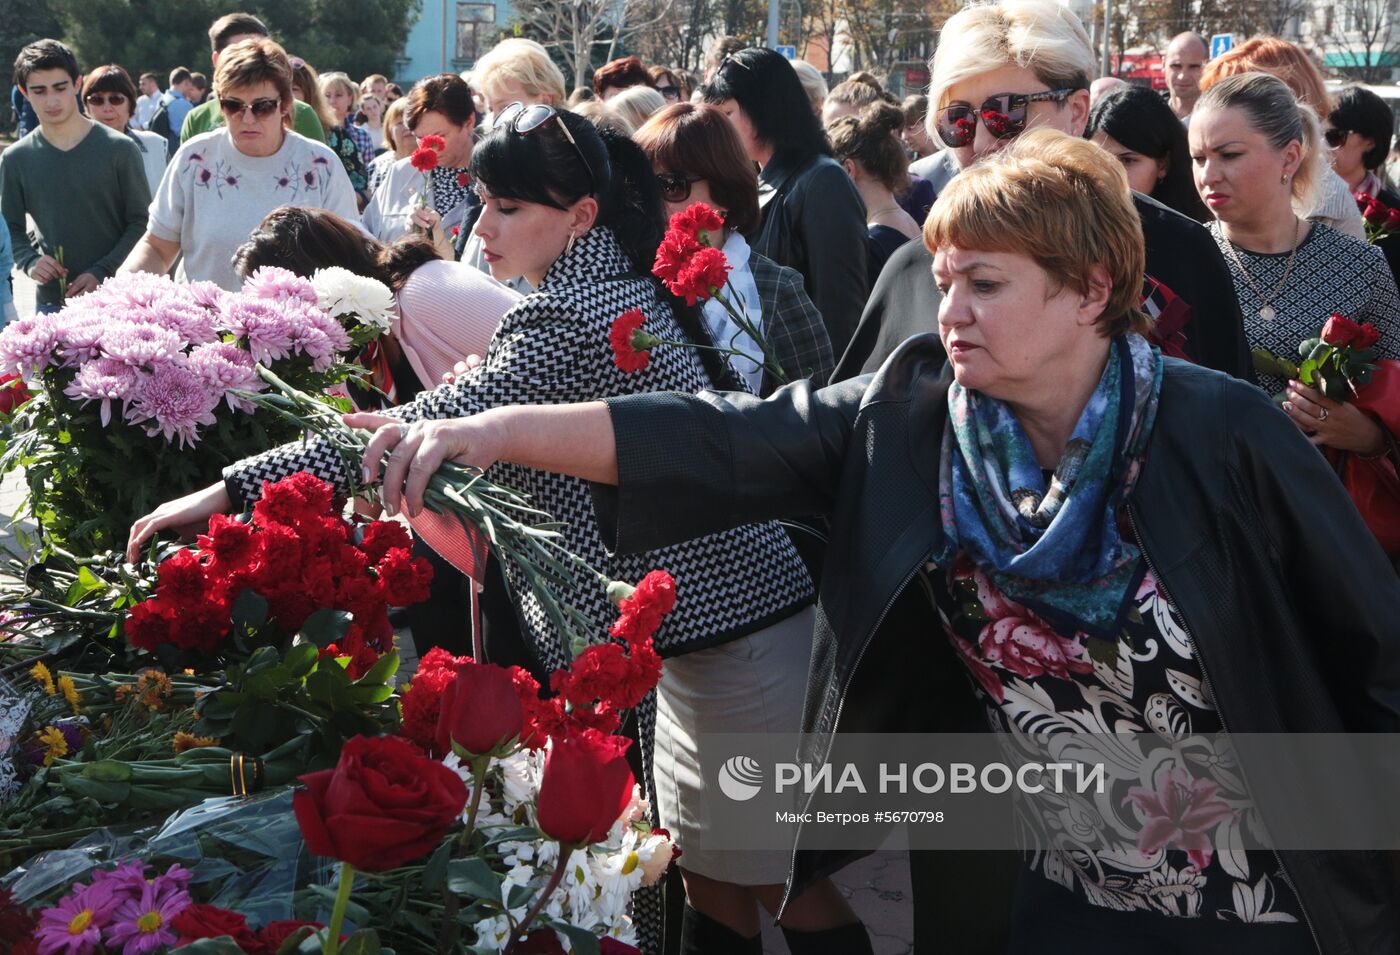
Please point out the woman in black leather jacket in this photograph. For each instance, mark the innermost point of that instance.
(1055, 485)
(813, 218)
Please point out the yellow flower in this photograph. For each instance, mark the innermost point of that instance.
(57, 746)
(153, 688)
(69, 689)
(184, 741)
(42, 676)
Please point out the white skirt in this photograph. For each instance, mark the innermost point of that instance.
(755, 684)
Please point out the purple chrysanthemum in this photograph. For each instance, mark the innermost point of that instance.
(105, 380)
(126, 880)
(274, 284)
(175, 401)
(26, 346)
(143, 925)
(263, 325)
(74, 926)
(224, 369)
(140, 345)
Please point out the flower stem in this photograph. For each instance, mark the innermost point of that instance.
(342, 899)
(517, 933)
(479, 765)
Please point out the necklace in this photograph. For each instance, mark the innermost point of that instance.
(1266, 311)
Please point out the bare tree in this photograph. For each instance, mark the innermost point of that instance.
(576, 27)
(1365, 32)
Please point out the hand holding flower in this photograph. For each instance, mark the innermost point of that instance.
(1333, 424)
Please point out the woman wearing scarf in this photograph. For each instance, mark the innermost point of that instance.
(1057, 490)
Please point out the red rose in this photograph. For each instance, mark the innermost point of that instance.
(209, 921)
(404, 580)
(608, 945)
(585, 786)
(13, 393)
(16, 921)
(436, 143)
(273, 934)
(698, 222)
(1369, 335)
(384, 804)
(631, 346)
(702, 276)
(481, 710)
(29, 946)
(1374, 212)
(1340, 331)
(1392, 220)
(425, 160)
(542, 941)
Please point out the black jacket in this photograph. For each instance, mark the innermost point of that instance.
(1292, 605)
(1180, 254)
(814, 222)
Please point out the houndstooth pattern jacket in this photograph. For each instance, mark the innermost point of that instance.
(553, 348)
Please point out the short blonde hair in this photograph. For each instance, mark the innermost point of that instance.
(1039, 35)
(603, 117)
(636, 104)
(337, 80)
(813, 83)
(523, 62)
(1060, 200)
(253, 61)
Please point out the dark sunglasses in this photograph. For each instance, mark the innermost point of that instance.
(105, 99)
(1002, 115)
(524, 120)
(1336, 138)
(670, 92)
(260, 107)
(675, 186)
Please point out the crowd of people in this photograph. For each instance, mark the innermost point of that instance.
(1020, 410)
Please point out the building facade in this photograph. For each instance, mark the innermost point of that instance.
(449, 36)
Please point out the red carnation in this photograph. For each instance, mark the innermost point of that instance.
(422, 700)
(672, 255)
(230, 544)
(180, 579)
(701, 223)
(425, 160)
(644, 607)
(436, 143)
(631, 346)
(380, 537)
(293, 500)
(539, 714)
(209, 921)
(463, 180)
(705, 273)
(404, 580)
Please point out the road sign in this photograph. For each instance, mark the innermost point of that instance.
(1221, 43)
(788, 51)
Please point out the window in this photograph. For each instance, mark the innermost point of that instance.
(475, 24)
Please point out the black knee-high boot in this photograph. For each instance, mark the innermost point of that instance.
(843, 940)
(702, 935)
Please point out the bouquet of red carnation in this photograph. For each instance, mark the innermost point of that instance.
(1381, 220)
(294, 568)
(692, 265)
(425, 159)
(1338, 362)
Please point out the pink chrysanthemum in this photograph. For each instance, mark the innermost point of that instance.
(105, 380)
(74, 926)
(139, 289)
(176, 401)
(274, 284)
(80, 337)
(27, 346)
(192, 323)
(143, 925)
(141, 345)
(225, 368)
(206, 295)
(263, 325)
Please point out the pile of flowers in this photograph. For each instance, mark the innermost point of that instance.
(143, 365)
(297, 556)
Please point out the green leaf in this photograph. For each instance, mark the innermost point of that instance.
(1307, 371)
(108, 771)
(384, 668)
(293, 942)
(367, 695)
(300, 659)
(328, 626)
(249, 610)
(435, 869)
(473, 877)
(223, 945)
(363, 942)
(583, 941)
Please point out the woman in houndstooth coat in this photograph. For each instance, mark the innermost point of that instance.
(580, 218)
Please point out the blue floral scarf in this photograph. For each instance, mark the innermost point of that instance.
(1056, 549)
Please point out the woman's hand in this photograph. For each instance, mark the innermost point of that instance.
(415, 451)
(1333, 424)
(428, 220)
(460, 369)
(187, 515)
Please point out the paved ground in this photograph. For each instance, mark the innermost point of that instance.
(877, 887)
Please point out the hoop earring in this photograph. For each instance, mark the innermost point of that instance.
(570, 247)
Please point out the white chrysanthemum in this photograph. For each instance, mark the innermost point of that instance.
(492, 933)
(342, 293)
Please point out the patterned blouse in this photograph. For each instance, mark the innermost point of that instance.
(344, 146)
(1331, 273)
(1036, 683)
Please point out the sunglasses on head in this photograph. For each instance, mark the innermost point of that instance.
(729, 60)
(105, 99)
(524, 120)
(1002, 115)
(1336, 138)
(675, 186)
(260, 107)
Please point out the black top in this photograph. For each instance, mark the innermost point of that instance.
(1180, 255)
(884, 242)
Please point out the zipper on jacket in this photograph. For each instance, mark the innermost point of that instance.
(841, 704)
(1205, 679)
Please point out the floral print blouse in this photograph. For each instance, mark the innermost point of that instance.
(1166, 835)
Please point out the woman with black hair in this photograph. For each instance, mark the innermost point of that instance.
(1140, 130)
(813, 217)
(1358, 132)
(578, 214)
